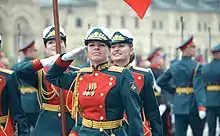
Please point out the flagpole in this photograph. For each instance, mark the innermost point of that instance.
(58, 49)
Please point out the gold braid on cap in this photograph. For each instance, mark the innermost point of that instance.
(118, 38)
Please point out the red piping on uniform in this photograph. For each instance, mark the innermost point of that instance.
(36, 64)
(62, 63)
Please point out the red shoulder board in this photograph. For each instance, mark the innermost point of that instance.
(139, 80)
(2, 83)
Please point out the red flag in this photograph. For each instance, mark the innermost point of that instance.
(139, 6)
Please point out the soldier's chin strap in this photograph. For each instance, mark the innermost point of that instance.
(156, 87)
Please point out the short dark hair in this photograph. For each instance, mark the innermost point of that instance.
(132, 57)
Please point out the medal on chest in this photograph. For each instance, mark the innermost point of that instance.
(90, 91)
(90, 85)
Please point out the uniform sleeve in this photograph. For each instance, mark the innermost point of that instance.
(14, 67)
(27, 72)
(57, 76)
(204, 74)
(163, 81)
(16, 110)
(199, 88)
(151, 107)
(131, 103)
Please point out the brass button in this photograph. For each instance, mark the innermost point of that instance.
(96, 74)
(139, 77)
(102, 94)
(100, 106)
(80, 78)
(59, 114)
(110, 83)
(101, 118)
(101, 130)
(111, 78)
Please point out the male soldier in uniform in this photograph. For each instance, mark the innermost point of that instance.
(122, 54)
(189, 92)
(211, 76)
(29, 51)
(49, 119)
(29, 99)
(10, 105)
(156, 57)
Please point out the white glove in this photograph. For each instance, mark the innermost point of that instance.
(73, 54)
(162, 109)
(157, 87)
(202, 114)
(47, 62)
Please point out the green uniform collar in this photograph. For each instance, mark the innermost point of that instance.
(102, 66)
(186, 57)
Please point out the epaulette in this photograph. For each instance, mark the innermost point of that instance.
(116, 69)
(74, 67)
(88, 69)
(141, 69)
(8, 71)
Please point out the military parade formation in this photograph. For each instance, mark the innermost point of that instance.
(108, 95)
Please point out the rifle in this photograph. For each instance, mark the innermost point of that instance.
(58, 49)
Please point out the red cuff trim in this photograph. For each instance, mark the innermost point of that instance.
(202, 108)
(36, 64)
(62, 63)
(72, 133)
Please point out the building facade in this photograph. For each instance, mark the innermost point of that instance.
(162, 25)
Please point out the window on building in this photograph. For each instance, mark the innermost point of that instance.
(122, 21)
(136, 22)
(161, 24)
(177, 25)
(78, 22)
(205, 26)
(154, 24)
(108, 21)
(199, 26)
(169, 51)
(199, 51)
(206, 53)
(21, 35)
(219, 27)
